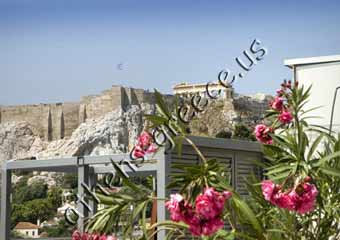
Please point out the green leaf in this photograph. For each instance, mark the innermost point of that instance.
(156, 120)
(179, 144)
(277, 169)
(281, 176)
(161, 106)
(314, 146)
(249, 215)
(328, 158)
(331, 171)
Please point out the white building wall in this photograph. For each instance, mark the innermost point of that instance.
(324, 76)
(28, 233)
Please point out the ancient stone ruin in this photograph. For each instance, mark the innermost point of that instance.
(59, 120)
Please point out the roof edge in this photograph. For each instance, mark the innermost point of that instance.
(311, 60)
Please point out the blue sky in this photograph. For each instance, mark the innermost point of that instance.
(60, 50)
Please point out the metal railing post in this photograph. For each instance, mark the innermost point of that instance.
(6, 186)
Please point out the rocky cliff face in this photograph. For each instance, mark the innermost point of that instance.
(222, 115)
(16, 139)
(112, 133)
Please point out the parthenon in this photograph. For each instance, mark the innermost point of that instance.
(188, 90)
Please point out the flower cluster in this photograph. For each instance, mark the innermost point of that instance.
(144, 145)
(281, 107)
(205, 218)
(262, 133)
(86, 236)
(280, 102)
(301, 198)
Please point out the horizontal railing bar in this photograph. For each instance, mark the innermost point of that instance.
(70, 164)
(228, 144)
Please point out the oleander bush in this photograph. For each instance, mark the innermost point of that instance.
(299, 198)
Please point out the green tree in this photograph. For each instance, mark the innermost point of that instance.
(41, 209)
(224, 134)
(54, 196)
(70, 180)
(242, 131)
(61, 230)
(24, 192)
(19, 214)
(31, 211)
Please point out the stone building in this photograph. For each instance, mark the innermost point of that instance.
(188, 90)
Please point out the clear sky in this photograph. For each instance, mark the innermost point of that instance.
(60, 50)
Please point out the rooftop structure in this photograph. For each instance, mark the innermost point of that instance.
(323, 73)
(26, 225)
(311, 60)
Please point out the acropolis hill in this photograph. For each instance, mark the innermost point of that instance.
(110, 122)
(59, 120)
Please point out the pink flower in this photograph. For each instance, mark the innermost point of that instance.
(283, 200)
(279, 92)
(205, 218)
(289, 84)
(285, 117)
(272, 193)
(286, 84)
(212, 226)
(268, 188)
(103, 237)
(112, 237)
(151, 149)
(195, 225)
(205, 227)
(301, 199)
(174, 207)
(262, 133)
(76, 235)
(277, 104)
(138, 152)
(304, 197)
(85, 236)
(95, 237)
(145, 139)
(211, 204)
(144, 145)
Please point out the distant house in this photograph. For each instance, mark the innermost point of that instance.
(27, 229)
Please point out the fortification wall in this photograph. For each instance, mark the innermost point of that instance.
(59, 120)
(34, 114)
(49, 121)
(69, 118)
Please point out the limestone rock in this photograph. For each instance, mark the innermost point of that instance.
(222, 115)
(16, 139)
